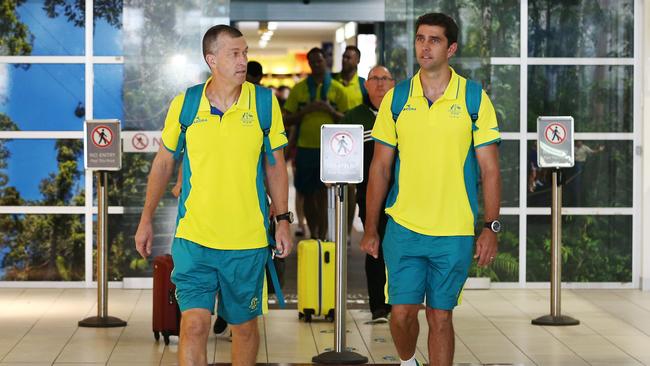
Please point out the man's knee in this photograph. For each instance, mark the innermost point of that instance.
(195, 323)
(439, 319)
(404, 314)
(245, 330)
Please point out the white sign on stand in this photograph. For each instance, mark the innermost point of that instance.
(102, 145)
(555, 142)
(341, 154)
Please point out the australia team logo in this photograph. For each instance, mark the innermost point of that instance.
(247, 118)
(253, 305)
(407, 108)
(455, 110)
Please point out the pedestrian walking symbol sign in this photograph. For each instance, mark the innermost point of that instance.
(555, 142)
(342, 143)
(102, 145)
(102, 136)
(555, 133)
(341, 153)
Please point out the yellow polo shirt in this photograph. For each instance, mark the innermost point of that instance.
(436, 172)
(309, 130)
(353, 90)
(223, 195)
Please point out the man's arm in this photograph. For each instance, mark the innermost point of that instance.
(161, 170)
(488, 160)
(278, 184)
(378, 180)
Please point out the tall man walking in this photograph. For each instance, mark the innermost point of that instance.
(425, 127)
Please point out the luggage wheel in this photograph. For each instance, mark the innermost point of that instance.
(156, 335)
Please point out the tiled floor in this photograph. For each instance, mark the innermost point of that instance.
(38, 327)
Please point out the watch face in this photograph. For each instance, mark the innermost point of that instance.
(290, 217)
(495, 226)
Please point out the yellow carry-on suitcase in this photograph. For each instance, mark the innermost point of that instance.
(316, 279)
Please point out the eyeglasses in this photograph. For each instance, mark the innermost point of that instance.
(378, 79)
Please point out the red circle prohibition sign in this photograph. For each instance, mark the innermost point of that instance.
(102, 136)
(555, 133)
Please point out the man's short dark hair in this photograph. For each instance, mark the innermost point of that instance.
(441, 20)
(315, 50)
(355, 49)
(254, 69)
(212, 35)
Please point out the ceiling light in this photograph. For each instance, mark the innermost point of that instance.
(272, 26)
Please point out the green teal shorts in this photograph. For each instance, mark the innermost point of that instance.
(235, 276)
(419, 265)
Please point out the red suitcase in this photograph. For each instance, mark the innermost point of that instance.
(166, 314)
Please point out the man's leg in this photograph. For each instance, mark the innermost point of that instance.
(441, 337)
(195, 327)
(311, 214)
(245, 342)
(404, 328)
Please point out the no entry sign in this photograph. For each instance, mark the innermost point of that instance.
(341, 153)
(102, 145)
(555, 142)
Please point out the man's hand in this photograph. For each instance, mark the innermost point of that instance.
(176, 191)
(486, 247)
(370, 243)
(144, 239)
(283, 244)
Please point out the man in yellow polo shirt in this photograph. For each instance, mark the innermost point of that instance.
(221, 245)
(432, 206)
(348, 77)
(313, 102)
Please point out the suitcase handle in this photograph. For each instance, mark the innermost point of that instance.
(327, 257)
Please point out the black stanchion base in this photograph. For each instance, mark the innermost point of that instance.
(340, 358)
(561, 320)
(99, 322)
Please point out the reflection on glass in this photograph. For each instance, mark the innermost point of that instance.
(505, 267)
(594, 249)
(108, 28)
(127, 187)
(41, 247)
(502, 86)
(581, 28)
(486, 28)
(123, 259)
(41, 172)
(42, 28)
(600, 98)
(602, 176)
(156, 36)
(107, 98)
(43, 97)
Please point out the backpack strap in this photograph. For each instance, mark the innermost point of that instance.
(362, 85)
(400, 97)
(264, 104)
(274, 279)
(473, 92)
(188, 113)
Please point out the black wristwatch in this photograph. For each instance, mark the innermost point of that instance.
(495, 225)
(285, 216)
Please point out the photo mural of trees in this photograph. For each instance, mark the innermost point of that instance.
(597, 248)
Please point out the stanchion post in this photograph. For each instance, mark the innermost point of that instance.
(340, 354)
(556, 317)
